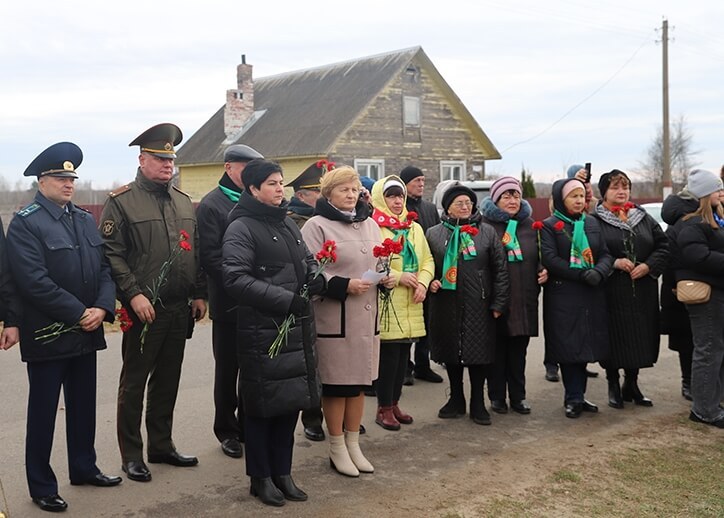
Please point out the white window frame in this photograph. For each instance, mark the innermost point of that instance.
(363, 165)
(411, 111)
(447, 170)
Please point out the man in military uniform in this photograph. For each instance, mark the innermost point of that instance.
(66, 290)
(306, 193)
(212, 215)
(141, 225)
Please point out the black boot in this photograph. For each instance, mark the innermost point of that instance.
(615, 400)
(686, 390)
(630, 390)
(290, 490)
(266, 491)
(455, 407)
(478, 413)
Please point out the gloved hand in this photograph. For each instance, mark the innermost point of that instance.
(298, 305)
(591, 277)
(317, 286)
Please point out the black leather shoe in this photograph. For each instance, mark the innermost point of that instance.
(480, 416)
(173, 458)
(428, 375)
(408, 381)
(290, 490)
(136, 470)
(591, 374)
(314, 433)
(522, 407)
(552, 375)
(232, 448)
(499, 406)
(99, 480)
(587, 406)
(362, 429)
(574, 410)
(452, 409)
(719, 423)
(630, 391)
(51, 503)
(265, 490)
(686, 391)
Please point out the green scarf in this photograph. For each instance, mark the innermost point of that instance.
(510, 241)
(408, 255)
(458, 242)
(581, 255)
(232, 195)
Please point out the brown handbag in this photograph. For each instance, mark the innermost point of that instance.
(693, 292)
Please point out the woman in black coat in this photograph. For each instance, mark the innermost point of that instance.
(510, 216)
(574, 299)
(469, 292)
(265, 266)
(700, 243)
(641, 251)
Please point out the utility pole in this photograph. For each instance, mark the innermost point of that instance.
(666, 158)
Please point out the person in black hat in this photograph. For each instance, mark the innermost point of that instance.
(211, 214)
(141, 224)
(64, 279)
(306, 193)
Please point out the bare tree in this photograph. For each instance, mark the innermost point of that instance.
(682, 155)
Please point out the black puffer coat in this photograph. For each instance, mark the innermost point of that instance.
(462, 327)
(265, 262)
(575, 321)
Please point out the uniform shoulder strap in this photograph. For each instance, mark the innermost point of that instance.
(120, 190)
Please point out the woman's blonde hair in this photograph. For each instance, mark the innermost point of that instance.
(338, 176)
(706, 212)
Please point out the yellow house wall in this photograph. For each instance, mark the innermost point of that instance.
(197, 180)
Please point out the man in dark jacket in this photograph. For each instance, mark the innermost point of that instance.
(142, 224)
(212, 215)
(427, 217)
(66, 291)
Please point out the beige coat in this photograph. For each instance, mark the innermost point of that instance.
(348, 341)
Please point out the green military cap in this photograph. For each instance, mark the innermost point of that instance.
(159, 140)
(310, 178)
(59, 160)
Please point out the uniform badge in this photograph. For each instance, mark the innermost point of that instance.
(168, 146)
(108, 226)
(67, 165)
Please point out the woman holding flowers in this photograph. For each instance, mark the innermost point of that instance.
(574, 300)
(640, 251)
(469, 293)
(270, 273)
(346, 316)
(510, 215)
(413, 269)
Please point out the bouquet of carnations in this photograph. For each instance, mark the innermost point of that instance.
(384, 254)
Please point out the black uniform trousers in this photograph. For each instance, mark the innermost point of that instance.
(159, 365)
(77, 377)
(229, 409)
(507, 374)
(269, 444)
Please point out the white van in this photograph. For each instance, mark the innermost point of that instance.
(481, 188)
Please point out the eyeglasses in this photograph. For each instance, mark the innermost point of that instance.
(510, 196)
(461, 204)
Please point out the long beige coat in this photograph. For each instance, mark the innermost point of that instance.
(348, 341)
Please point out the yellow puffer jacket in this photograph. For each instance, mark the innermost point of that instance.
(409, 314)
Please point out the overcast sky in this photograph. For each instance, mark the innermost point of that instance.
(99, 73)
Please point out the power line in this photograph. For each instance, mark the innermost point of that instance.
(546, 130)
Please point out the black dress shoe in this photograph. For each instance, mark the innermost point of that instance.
(552, 375)
(232, 448)
(52, 503)
(719, 423)
(480, 416)
(587, 406)
(686, 391)
(591, 374)
(173, 458)
(290, 490)
(265, 490)
(99, 480)
(362, 429)
(428, 375)
(136, 470)
(314, 433)
(574, 410)
(522, 406)
(499, 406)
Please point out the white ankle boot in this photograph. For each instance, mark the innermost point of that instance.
(363, 465)
(339, 457)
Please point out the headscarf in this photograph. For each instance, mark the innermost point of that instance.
(399, 225)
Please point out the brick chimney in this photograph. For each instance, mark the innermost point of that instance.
(239, 102)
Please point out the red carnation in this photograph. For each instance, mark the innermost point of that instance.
(537, 225)
(185, 245)
(559, 226)
(628, 205)
(184, 235)
(469, 229)
(412, 216)
(124, 319)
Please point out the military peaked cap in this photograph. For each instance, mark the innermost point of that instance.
(59, 160)
(159, 140)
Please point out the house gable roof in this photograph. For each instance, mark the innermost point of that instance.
(303, 113)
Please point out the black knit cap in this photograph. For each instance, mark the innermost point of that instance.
(605, 181)
(455, 191)
(257, 171)
(409, 173)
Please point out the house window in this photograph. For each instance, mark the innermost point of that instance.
(411, 110)
(452, 170)
(374, 168)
